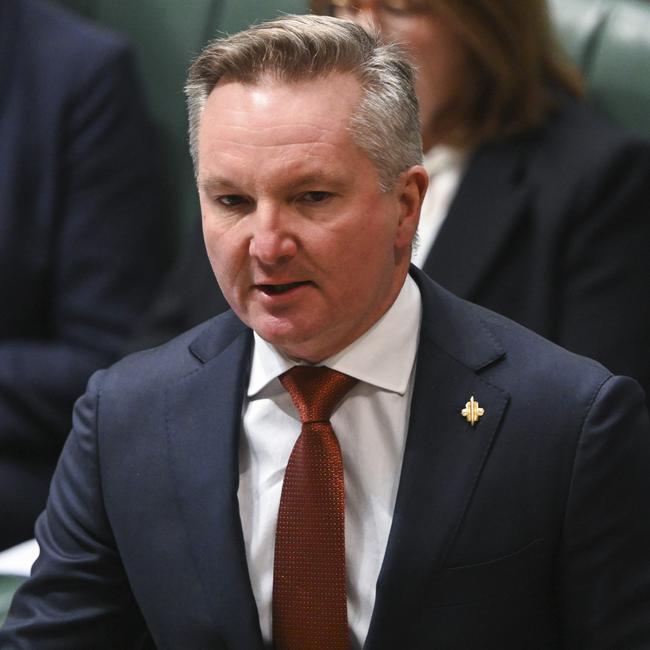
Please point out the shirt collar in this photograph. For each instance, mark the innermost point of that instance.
(383, 356)
(442, 158)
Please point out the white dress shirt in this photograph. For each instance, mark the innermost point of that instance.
(371, 425)
(445, 166)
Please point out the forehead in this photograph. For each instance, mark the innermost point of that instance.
(274, 113)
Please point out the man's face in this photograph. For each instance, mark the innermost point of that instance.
(307, 249)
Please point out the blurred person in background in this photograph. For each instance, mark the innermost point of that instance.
(81, 250)
(537, 207)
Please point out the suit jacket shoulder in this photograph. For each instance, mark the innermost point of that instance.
(501, 524)
(183, 355)
(498, 525)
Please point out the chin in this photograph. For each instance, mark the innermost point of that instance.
(293, 342)
(280, 332)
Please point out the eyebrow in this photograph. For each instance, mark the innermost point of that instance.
(318, 179)
(214, 183)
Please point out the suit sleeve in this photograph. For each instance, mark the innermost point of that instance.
(106, 253)
(78, 595)
(604, 567)
(604, 302)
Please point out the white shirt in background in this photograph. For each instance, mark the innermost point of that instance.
(445, 166)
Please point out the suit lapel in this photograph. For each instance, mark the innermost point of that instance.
(489, 203)
(203, 422)
(443, 460)
(442, 465)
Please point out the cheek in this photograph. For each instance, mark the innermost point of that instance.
(368, 249)
(440, 59)
(432, 70)
(212, 242)
(227, 252)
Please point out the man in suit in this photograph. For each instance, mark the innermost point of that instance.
(495, 485)
(81, 247)
(538, 205)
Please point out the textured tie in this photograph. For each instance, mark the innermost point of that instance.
(309, 595)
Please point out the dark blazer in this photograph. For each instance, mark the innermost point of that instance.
(551, 229)
(80, 239)
(529, 530)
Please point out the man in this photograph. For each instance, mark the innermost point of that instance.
(495, 485)
(539, 207)
(81, 243)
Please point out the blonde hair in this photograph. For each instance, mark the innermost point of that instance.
(303, 47)
(516, 72)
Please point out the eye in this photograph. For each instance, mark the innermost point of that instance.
(231, 200)
(316, 196)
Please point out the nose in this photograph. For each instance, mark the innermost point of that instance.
(272, 241)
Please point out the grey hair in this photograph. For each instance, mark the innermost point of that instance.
(297, 48)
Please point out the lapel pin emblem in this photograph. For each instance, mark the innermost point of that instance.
(472, 411)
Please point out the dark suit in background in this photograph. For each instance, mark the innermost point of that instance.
(551, 229)
(188, 296)
(529, 530)
(80, 242)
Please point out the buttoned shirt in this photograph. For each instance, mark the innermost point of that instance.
(371, 424)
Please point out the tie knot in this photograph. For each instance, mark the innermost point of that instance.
(316, 390)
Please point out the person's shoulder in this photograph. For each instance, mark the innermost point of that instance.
(173, 360)
(48, 27)
(578, 136)
(528, 354)
(520, 361)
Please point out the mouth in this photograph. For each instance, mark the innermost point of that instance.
(280, 289)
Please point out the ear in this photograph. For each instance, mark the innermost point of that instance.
(411, 188)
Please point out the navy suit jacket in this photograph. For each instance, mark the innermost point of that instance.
(81, 246)
(529, 530)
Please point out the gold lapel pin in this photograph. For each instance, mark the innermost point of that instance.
(472, 411)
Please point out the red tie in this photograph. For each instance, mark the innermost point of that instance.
(309, 595)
